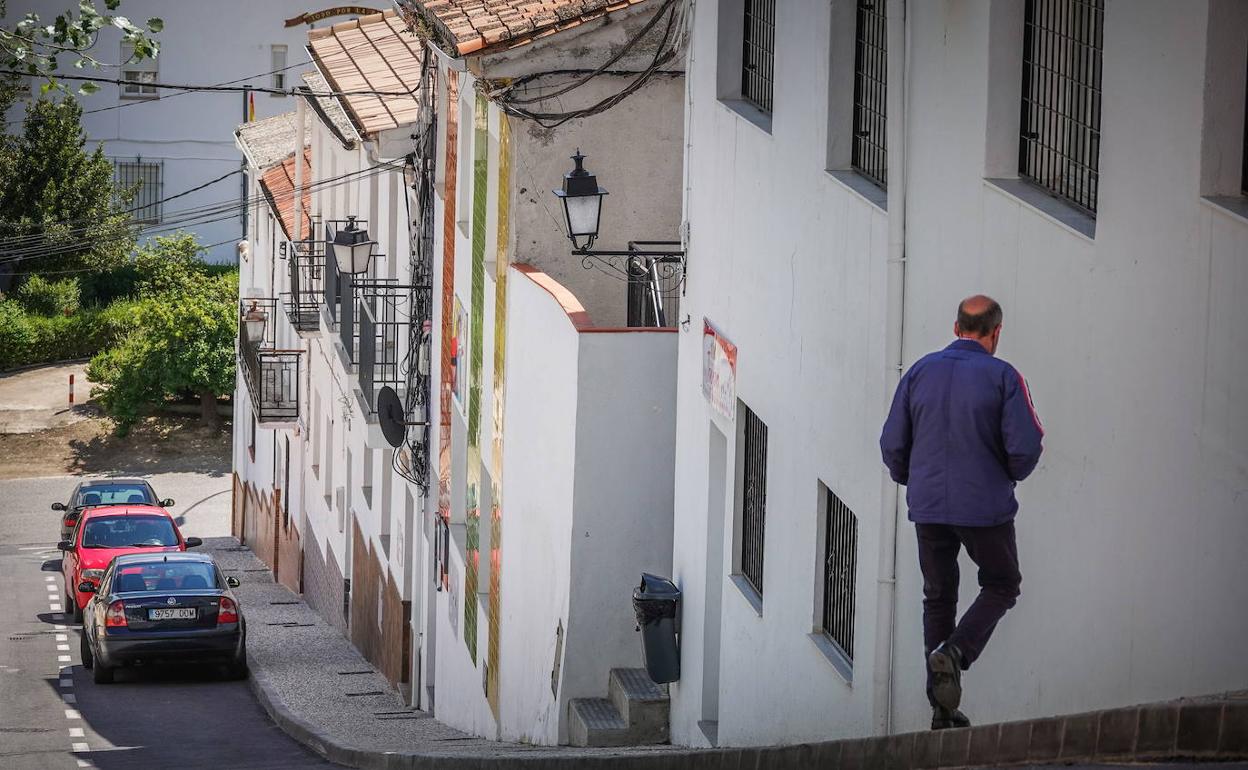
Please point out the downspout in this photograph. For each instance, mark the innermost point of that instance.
(891, 508)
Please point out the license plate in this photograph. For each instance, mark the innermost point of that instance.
(178, 613)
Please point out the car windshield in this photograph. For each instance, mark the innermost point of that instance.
(166, 576)
(126, 531)
(114, 494)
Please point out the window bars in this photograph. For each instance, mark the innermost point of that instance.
(759, 53)
(1060, 126)
(143, 178)
(840, 562)
(869, 155)
(753, 499)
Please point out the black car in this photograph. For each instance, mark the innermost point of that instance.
(105, 492)
(163, 608)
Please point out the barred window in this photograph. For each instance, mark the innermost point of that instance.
(753, 499)
(1060, 143)
(144, 179)
(758, 57)
(840, 563)
(870, 147)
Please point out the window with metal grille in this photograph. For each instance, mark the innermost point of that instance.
(759, 53)
(144, 179)
(869, 155)
(840, 563)
(1060, 126)
(753, 499)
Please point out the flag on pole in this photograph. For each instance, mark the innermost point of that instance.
(251, 106)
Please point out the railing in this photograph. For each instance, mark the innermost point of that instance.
(272, 376)
(307, 284)
(382, 318)
(654, 286)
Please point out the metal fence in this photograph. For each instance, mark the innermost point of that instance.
(1060, 126)
(840, 562)
(654, 288)
(753, 499)
(759, 53)
(307, 284)
(380, 327)
(869, 154)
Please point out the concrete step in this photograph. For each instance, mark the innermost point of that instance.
(595, 722)
(644, 705)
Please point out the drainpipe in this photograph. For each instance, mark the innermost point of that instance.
(891, 509)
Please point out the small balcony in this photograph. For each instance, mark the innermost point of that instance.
(271, 375)
(307, 285)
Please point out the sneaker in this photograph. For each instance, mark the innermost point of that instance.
(945, 663)
(943, 719)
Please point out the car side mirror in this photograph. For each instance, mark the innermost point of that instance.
(58, 506)
(232, 582)
(65, 545)
(193, 542)
(168, 501)
(86, 587)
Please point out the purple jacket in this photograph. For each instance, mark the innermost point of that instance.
(961, 433)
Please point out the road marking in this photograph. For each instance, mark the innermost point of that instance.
(33, 548)
(59, 627)
(82, 747)
(49, 579)
(67, 684)
(70, 697)
(63, 659)
(55, 606)
(76, 732)
(62, 647)
(84, 763)
(62, 637)
(53, 589)
(72, 714)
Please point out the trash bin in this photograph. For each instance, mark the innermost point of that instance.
(656, 602)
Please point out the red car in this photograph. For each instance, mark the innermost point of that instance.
(113, 530)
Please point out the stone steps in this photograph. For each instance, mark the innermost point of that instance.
(634, 713)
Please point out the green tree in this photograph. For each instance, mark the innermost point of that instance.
(59, 206)
(168, 263)
(182, 342)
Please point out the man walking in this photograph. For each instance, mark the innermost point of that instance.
(962, 432)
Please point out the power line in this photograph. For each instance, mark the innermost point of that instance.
(221, 88)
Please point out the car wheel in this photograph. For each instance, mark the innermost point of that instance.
(238, 669)
(75, 612)
(102, 674)
(84, 651)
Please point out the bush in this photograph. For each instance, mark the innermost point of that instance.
(43, 297)
(27, 339)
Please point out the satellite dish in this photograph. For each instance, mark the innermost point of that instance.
(390, 415)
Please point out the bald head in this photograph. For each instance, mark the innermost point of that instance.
(979, 317)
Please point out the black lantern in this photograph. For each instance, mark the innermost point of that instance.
(353, 249)
(582, 203)
(254, 320)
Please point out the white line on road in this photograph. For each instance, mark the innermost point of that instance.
(83, 762)
(49, 579)
(76, 732)
(72, 714)
(55, 606)
(59, 627)
(33, 548)
(62, 647)
(82, 747)
(62, 637)
(63, 659)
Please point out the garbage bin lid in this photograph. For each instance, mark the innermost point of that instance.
(653, 586)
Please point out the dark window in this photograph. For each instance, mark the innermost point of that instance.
(1244, 177)
(840, 561)
(114, 494)
(142, 180)
(759, 55)
(1060, 143)
(286, 487)
(251, 439)
(870, 147)
(753, 499)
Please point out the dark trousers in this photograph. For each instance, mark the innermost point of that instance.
(995, 553)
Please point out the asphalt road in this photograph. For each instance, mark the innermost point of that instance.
(53, 716)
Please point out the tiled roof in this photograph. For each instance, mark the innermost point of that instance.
(329, 108)
(475, 25)
(371, 53)
(279, 185)
(271, 140)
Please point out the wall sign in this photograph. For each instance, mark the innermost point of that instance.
(328, 13)
(719, 371)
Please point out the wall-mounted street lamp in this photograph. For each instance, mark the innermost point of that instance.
(352, 249)
(254, 321)
(642, 261)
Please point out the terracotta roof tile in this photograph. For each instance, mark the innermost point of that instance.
(372, 53)
(473, 25)
(279, 186)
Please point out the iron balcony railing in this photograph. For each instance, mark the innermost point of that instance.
(379, 328)
(271, 375)
(307, 284)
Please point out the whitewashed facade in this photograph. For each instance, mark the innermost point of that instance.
(1126, 323)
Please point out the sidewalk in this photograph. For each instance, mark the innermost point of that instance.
(321, 691)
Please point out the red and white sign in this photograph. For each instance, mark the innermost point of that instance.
(719, 371)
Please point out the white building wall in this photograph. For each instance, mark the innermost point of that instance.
(192, 134)
(1130, 527)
